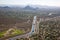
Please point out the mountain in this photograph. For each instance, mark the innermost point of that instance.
(29, 8)
(32, 7)
(4, 7)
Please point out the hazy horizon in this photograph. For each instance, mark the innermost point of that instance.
(31, 2)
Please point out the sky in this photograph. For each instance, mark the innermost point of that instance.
(31, 2)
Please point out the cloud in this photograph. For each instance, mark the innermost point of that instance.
(34, 2)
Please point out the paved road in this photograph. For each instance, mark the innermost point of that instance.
(28, 34)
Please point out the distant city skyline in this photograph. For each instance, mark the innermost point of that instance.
(31, 2)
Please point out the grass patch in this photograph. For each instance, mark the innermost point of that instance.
(15, 32)
(2, 34)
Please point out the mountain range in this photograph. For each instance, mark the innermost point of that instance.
(31, 7)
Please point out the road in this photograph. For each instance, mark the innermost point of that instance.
(27, 34)
(34, 29)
